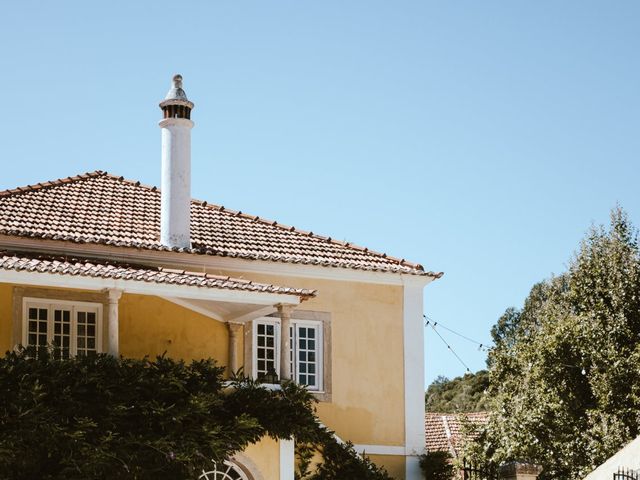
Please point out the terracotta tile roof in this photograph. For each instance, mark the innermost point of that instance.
(102, 208)
(445, 433)
(107, 269)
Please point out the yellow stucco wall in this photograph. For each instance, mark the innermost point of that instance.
(149, 325)
(265, 455)
(152, 326)
(6, 323)
(394, 464)
(367, 404)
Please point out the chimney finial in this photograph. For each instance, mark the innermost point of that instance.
(176, 94)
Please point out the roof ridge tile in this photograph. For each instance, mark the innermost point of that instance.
(52, 183)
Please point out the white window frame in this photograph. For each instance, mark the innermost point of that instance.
(276, 325)
(51, 305)
(318, 325)
(319, 351)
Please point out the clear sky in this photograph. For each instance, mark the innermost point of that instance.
(481, 138)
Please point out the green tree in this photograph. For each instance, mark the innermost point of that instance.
(564, 372)
(467, 393)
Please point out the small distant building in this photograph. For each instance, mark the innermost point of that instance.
(623, 465)
(450, 432)
(445, 432)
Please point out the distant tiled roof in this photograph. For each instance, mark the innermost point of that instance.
(84, 267)
(103, 208)
(444, 431)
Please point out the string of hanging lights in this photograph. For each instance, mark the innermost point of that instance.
(429, 322)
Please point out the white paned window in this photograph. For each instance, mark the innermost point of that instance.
(86, 331)
(306, 355)
(306, 349)
(62, 330)
(73, 328)
(267, 342)
(37, 331)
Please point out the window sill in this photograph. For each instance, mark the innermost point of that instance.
(266, 386)
(320, 395)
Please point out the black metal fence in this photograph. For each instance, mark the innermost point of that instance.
(472, 471)
(626, 474)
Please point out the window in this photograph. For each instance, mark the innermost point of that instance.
(306, 343)
(226, 471)
(267, 353)
(305, 355)
(73, 328)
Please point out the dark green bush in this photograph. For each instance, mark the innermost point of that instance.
(437, 466)
(339, 462)
(100, 417)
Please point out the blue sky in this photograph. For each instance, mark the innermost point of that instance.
(477, 138)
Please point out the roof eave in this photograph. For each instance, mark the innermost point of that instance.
(168, 256)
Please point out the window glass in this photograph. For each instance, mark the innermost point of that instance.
(307, 367)
(305, 356)
(62, 332)
(71, 329)
(37, 326)
(266, 351)
(86, 340)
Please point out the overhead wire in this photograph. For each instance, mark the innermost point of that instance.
(433, 324)
(449, 347)
(430, 321)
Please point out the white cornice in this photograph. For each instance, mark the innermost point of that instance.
(210, 262)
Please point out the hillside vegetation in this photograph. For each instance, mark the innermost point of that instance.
(459, 395)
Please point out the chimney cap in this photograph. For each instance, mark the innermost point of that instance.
(176, 95)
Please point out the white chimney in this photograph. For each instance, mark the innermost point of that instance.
(175, 217)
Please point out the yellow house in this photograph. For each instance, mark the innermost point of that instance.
(99, 263)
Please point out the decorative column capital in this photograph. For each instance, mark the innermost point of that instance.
(234, 328)
(285, 309)
(114, 294)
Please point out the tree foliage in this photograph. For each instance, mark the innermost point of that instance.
(565, 370)
(101, 417)
(338, 461)
(437, 466)
(459, 395)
